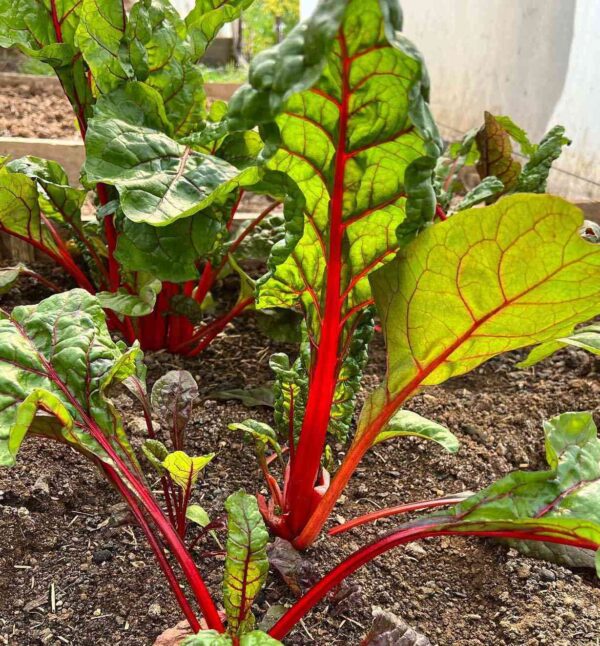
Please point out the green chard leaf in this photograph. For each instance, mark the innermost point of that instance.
(9, 276)
(246, 563)
(213, 638)
(534, 177)
(342, 106)
(158, 180)
(20, 210)
(57, 362)
(138, 304)
(206, 19)
(405, 423)
(586, 338)
(484, 282)
(561, 502)
(99, 33)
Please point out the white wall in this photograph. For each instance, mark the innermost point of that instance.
(535, 60)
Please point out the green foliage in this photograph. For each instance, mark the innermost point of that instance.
(58, 362)
(559, 502)
(265, 22)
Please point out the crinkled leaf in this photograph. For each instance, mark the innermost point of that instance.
(158, 179)
(517, 134)
(260, 432)
(161, 52)
(155, 452)
(183, 469)
(487, 188)
(561, 502)
(197, 515)
(484, 282)
(128, 304)
(173, 397)
(534, 177)
(206, 19)
(159, 250)
(587, 338)
(260, 396)
(246, 563)
(496, 154)
(291, 389)
(406, 423)
(58, 360)
(99, 34)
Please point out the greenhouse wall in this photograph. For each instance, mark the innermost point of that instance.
(532, 60)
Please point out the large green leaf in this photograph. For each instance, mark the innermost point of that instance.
(246, 564)
(348, 96)
(561, 502)
(484, 282)
(158, 179)
(57, 361)
(159, 250)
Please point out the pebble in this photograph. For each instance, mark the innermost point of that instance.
(101, 556)
(416, 551)
(154, 610)
(547, 575)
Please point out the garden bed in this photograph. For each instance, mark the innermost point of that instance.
(60, 534)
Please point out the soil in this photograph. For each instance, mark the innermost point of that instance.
(24, 112)
(63, 529)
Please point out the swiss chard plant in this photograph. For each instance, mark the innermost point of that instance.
(501, 172)
(164, 175)
(342, 106)
(58, 369)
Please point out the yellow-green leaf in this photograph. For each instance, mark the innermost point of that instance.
(183, 469)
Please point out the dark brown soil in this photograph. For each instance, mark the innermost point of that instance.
(27, 113)
(61, 531)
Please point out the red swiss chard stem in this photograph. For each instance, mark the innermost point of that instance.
(393, 511)
(163, 563)
(305, 469)
(439, 212)
(148, 502)
(207, 334)
(401, 537)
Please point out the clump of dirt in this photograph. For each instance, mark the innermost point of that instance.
(63, 530)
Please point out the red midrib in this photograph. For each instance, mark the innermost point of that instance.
(307, 460)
